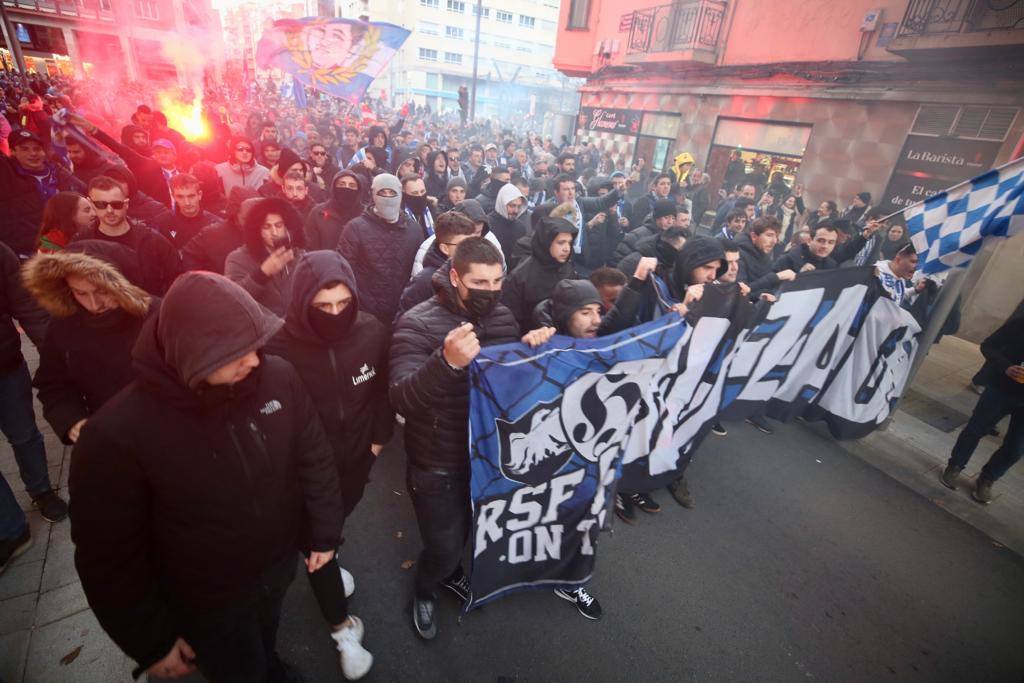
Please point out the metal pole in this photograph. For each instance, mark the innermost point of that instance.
(11, 37)
(476, 59)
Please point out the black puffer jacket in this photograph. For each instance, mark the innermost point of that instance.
(325, 221)
(86, 358)
(755, 267)
(346, 377)
(243, 264)
(381, 255)
(534, 279)
(433, 397)
(16, 304)
(797, 257)
(184, 493)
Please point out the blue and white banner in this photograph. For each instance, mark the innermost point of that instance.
(949, 228)
(340, 57)
(552, 429)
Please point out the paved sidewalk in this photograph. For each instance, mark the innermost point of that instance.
(47, 631)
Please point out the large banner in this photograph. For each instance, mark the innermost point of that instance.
(340, 57)
(552, 429)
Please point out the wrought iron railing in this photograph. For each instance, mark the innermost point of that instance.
(927, 17)
(693, 24)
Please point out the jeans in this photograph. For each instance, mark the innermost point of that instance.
(235, 643)
(993, 405)
(18, 423)
(441, 501)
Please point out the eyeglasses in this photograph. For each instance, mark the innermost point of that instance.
(116, 206)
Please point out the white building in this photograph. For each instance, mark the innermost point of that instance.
(515, 75)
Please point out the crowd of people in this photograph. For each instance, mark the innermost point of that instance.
(229, 328)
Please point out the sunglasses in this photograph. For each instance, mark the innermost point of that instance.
(117, 206)
(319, 154)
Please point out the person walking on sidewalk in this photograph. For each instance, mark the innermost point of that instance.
(196, 484)
(17, 418)
(1004, 395)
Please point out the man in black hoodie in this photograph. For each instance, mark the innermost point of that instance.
(432, 347)
(341, 354)
(1004, 395)
(326, 220)
(550, 262)
(194, 486)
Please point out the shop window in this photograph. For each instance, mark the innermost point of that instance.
(660, 125)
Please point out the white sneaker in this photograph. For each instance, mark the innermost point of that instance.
(348, 580)
(355, 660)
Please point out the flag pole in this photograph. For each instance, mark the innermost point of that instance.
(948, 189)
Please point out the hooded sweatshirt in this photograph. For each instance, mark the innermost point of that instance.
(346, 374)
(437, 184)
(508, 231)
(534, 279)
(187, 495)
(325, 222)
(243, 264)
(697, 251)
(85, 358)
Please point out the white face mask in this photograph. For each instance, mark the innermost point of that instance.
(387, 207)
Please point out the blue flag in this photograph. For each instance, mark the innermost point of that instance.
(340, 57)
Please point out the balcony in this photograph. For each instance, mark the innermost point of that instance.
(680, 32)
(96, 10)
(947, 28)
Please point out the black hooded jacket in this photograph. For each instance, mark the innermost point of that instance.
(243, 264)
(572, 295)
(697, 251)
(381, 255)
(185, 493)
(346, 377)
(437, 186)
(755, 267)
(158, 262)
(431, 395)
(534, 279)
(326, 220)
(85, 358)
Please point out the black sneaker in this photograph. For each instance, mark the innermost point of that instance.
(51, 506)
(624, 509)
(13, 548)
(423, 613)
(717, 429)
(645, 503)
(950, 475)
(459, 586)
(761, 424)
(586, 603)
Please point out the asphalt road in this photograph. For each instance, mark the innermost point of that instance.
(800, 562)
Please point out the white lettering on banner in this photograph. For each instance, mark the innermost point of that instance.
(530, 537)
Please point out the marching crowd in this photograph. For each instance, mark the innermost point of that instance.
(228, 330)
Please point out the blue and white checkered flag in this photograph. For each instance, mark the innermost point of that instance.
(948, 229)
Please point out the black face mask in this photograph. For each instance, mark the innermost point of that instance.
(332, 327)
(345, 196)
(481, 302)
(417, 204)
(496, 185)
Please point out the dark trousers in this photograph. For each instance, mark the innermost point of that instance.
(441, 501)
(329, 590)
(993, 405)
(235, 643)
(18, 423)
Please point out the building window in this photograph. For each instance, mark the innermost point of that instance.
(578, 13)
(454, 32)
(502, 44)
(105, 6)
(452, 58)
(504, 17)
(146, 9)
(428, 28)
(429, 3)
(485, 12)
(524, 48)
(457, 6)
(526, 22)
(428, 55)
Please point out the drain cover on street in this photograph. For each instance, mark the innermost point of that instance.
(932, 412)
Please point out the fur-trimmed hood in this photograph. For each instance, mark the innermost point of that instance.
(253, 223)
(103, 264)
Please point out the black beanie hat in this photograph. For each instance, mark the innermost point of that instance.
(664, 207)
(288, 159)
(570, 296)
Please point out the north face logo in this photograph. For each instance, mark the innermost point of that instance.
(270, 407)
(366, 373)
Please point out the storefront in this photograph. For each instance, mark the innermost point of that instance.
(616, 129)
(744, 147)
(657, 137)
